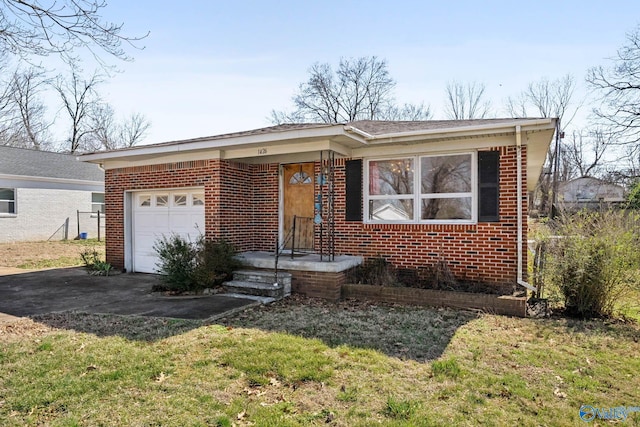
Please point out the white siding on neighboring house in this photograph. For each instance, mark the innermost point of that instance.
(588, 189)
(43, 214)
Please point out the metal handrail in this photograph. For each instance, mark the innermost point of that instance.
(291, 236)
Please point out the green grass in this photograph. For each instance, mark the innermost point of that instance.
(277, 366)
(59, 262)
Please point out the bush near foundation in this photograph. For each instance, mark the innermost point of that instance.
(595, 261)
(188, 266)
(177, 262)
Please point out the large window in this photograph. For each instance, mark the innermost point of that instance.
(7, 201)
(421, 189)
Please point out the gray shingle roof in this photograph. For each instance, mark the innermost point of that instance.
(381, 127)
(24, 162)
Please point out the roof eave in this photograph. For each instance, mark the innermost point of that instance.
(492, 128)
(214, 143)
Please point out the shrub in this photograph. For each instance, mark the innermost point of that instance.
(215, 261)
(633, 198)
(596, 261)
(94, 264)
(375, 271)
(177, 262)
(191, 266)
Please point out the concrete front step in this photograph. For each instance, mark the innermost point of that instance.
(262, 276)
(259, 289)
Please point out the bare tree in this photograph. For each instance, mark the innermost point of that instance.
(79, 97)
(547, 98)
(30, 124)
(59, 27)
(360, 89)
(109, 134)
(619, 86)
(584, 152)
(466, 101)
(410, 112)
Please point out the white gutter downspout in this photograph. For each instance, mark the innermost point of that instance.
(519, 209)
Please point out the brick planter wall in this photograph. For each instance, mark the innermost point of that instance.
(318, 284)
(506, 305)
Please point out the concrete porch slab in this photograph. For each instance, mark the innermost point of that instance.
(301, 262)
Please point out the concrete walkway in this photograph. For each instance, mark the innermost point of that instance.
(28, 293)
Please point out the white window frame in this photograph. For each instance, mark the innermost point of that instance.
(417, 195)
(94, 204)
(14, 201)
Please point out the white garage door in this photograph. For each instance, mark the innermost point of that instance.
(158, 213)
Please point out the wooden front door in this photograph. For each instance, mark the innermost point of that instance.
(297, 186)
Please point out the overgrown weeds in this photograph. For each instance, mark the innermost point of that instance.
(93, 262)
(594, 261)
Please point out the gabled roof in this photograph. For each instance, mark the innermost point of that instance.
(44, 164)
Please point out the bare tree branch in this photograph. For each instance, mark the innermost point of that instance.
(31, 122)
(360, 89)
(78, 97)
(466, 101)
(60, 27)
(619, 86)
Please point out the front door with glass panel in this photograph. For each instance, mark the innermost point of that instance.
(297, 195)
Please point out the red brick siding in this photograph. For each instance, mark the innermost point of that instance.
(483, 252)
(265, 207)
(241, 205)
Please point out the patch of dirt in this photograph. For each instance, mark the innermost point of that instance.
(22, 254)
(21, 328)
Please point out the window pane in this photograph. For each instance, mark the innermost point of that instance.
(446, 174)
(180, 200)
(198, 200)
(97, 197)
(391, 210)
(97, 207)
(446, 208)
(300, 178)
(7, 207)
(162, 200)
(390, 177)
(6, 194)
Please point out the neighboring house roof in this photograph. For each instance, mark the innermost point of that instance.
(355, 139)
(21, 162)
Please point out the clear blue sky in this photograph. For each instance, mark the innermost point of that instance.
(211, 67)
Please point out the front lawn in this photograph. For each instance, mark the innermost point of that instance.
(49, 254)
(304, 362)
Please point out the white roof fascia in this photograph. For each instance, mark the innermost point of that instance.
(459, 131)
(47, 179)
(221, 143)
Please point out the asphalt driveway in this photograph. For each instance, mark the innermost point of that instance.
(24, 294)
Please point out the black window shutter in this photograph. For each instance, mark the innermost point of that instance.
(353, 184)
(488, 186)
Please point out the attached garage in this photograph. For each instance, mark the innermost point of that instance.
(163, 212)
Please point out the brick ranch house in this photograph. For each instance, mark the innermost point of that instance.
(414, 193)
